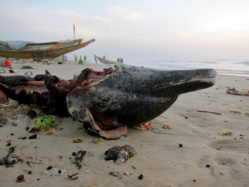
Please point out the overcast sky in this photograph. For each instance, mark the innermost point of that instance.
(135, 29)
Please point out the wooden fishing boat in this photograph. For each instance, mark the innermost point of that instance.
(45, 50)
(104, 61)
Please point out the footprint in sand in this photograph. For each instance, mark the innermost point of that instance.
(223, 166)
(232, 145)
(246, 115)
(236, 112)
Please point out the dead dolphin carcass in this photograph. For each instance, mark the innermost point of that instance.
(108, 101)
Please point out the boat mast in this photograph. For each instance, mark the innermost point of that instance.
(73, 31)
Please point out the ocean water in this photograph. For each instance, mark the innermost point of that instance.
(221, 66)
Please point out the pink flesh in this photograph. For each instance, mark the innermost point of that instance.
(114, 134)
(37, 83)
(110, 134)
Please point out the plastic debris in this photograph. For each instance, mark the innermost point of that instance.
(44, 123)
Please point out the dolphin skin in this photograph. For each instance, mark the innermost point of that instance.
(131, 96)
(108, 101)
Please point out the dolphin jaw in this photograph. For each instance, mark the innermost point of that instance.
(107, 134)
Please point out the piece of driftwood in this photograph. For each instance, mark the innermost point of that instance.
(217, 113)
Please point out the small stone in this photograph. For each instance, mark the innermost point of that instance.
(20, 177)
(141, 176)
(59, 171)
(33, 136)
(208, 166)
(180, 145)
(74, 154)
(126, 173)
(29, 172)
(49, 167)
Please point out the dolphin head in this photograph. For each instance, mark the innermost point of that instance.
(130, 96)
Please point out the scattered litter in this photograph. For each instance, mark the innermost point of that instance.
(16, 119)
(147, 125)
(45, 122)
(223, 132)
(20, 178)
(133, 167)
(12, 71)
(77, 141)
(120, 154)
(219, 148)
(34, 130)
(58, 171)
(97, 140)
(217, 113)
(2, 71)
(78, 158)
(116, 174)
(30, 162)
(28, 73)
(233, 91)
(10, 159)
(73, 176)
(167, 127)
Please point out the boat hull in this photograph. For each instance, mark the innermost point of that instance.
(104, 61)
(45, 50)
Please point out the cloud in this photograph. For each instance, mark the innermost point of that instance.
(127, 13)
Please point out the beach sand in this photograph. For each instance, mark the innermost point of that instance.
(205, 157)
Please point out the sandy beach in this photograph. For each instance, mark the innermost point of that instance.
(183, 147)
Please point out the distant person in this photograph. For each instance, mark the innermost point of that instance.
(81, 61)
(85, 58)
(95, 58)
(121, 60)
(63, 59)
(118, 60)
(75, 59)
(103, 57)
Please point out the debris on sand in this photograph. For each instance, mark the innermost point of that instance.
(234, 91)
(10, 159)
(78, 158)
(115, 174)
(73, 176)
(120, 154)
(26, 67)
